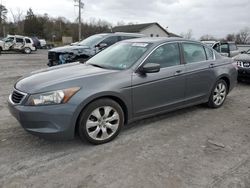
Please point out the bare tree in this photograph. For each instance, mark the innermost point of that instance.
(244, 35)
(231, 37)
(17, 19)
(188, 34)
(207, 37)
(18, 16)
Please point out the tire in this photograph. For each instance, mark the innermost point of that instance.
(27, 50)
(101, 121)
(218, 94)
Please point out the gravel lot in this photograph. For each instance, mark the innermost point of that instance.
(191, 148)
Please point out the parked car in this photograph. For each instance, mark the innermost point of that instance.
(36, 42)
(17, 43)
(130, 80)
(81, 51)
(43, 43)
(228, 49)
(243, 62)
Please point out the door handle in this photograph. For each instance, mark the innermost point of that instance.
(178, 72)
(211, 65)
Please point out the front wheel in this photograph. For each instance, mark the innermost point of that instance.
(101, 121)
(218, 95)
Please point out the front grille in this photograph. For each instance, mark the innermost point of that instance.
(17, 97)
(52, 56)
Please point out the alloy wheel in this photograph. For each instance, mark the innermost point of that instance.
(102, 123)
(219, 94)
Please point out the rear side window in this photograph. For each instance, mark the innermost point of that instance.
(27, 41)
(209, 53)
(110, 40)
(193, 53)
(166, 55)
(19, 40)
(224, 48)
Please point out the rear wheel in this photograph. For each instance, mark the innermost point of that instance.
(218, 95)
(27, 50)
(101, 121)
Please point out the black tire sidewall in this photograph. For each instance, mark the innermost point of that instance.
(82, 130)
(211, 101)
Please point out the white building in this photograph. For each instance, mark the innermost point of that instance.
(148, 29)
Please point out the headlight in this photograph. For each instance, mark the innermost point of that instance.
(52, 97)
(239, 63)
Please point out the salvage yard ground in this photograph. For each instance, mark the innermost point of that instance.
(191, 148)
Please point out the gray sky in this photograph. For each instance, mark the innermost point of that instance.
(215, 17)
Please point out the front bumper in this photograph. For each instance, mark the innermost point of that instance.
(55, 122)
(244, 73)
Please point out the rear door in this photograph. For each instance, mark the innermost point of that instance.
(199, 63)
(154, 92)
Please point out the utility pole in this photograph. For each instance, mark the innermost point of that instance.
(80, 5)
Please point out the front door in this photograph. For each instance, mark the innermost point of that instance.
(154, 92)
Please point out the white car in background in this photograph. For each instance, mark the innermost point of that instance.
(43, 43)
(17, 43)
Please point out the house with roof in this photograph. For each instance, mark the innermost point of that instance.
(148, 29)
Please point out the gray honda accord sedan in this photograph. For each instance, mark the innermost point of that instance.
(128, 81)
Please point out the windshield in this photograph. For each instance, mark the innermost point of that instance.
(119, 56)
(91, 41)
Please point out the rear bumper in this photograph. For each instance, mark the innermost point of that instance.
(55, 122)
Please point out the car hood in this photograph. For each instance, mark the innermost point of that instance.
(242, 57)
(40, 80)
(70, 48)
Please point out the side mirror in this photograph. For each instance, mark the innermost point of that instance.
(102, 45)
(150, 68)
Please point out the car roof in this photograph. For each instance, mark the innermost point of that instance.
(159, 40)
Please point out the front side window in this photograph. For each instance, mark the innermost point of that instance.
(193, 53)
(166, 55)
(119, 56)
(9, 39)
(110, 40)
